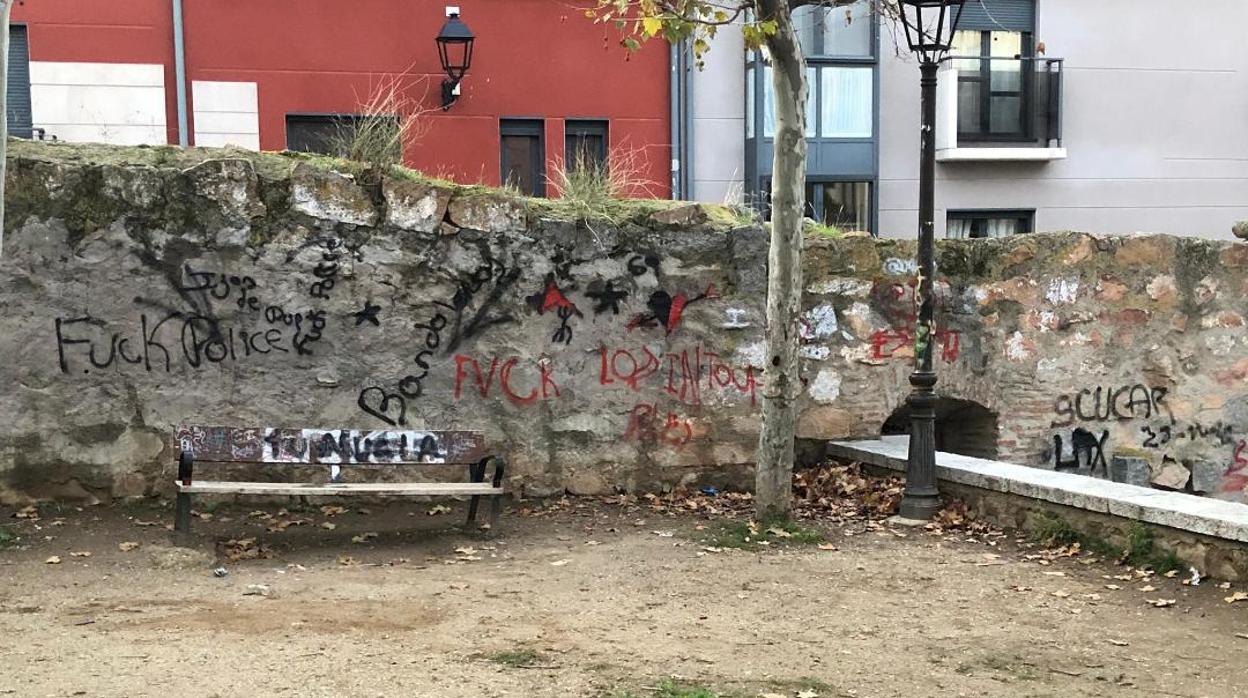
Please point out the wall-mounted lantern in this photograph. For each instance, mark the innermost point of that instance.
(455, 51)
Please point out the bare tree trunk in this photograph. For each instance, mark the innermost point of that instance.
(782, 383)
(5, 7)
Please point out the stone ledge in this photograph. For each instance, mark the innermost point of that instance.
(1210, 517)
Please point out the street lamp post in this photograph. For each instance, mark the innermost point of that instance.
(929, 27)
(455, 52)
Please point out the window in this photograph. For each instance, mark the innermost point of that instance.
(995, 64)
(838, 105)
(836, 31)
(18, 101)
(987, 224)
(585, 142)
(522, 155)
(842, 205)
(345, 135)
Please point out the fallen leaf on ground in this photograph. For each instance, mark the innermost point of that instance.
(1020, 588)
(127, 546)
(54, 560)
(1171, 574)
(1114, 587)
(1237, 596)
(779, 532)
(1119, 643)
(827, 546)
(245, 549)
(26, 513)
(333, 510)
(439, 509)
(347, 561)
(1054, 574)
(1161, 603)
(559, 563)
(329, 526)
(807, 694)
(84, 553)
(1147, 588)
(364, 537)
(1224, 585)
(1061, 594)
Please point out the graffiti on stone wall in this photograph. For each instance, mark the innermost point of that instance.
(1110, 403)
(1235, 479)
(648, 424)
(1082, 443)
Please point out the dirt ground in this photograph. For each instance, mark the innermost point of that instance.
(584, 599)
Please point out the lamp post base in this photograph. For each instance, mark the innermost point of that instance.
(919, 508)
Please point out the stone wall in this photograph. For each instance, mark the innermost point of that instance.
(146, 288)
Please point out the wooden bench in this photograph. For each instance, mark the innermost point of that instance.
(343, 450)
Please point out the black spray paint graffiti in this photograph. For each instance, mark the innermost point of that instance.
(199, 340)
(667, 310)
(327, 269)
(491, 275)
(1158, 436)
(1085, 442)
(391, 407)
(640, 264)
(1109, 403)
(220, 286)
(367, 314)
(315, 320)
(606, 297)
(552, 299)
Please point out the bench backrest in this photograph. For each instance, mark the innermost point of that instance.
(328, 446)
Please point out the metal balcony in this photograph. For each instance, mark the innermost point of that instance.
(1005, 109)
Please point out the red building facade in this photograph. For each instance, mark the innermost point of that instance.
(105, 71)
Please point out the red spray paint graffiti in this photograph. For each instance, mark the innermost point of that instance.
(885, 343)
(545, 389)
(685, 375)
(666, 309)
(646, 424)
(1236, 477)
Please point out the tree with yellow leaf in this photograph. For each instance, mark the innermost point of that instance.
(765, 24)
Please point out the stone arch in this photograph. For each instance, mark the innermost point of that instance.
(964, 427)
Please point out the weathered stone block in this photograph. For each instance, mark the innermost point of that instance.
(488, 213)
(414, 206)
(1206, 476)
(1130, 470)
(1170, 475)
(681, 216)
(331, 196)
(1240, 230)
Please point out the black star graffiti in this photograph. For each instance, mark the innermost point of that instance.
(368, 314)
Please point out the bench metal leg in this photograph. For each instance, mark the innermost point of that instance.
(476, 473)
(182, 515)
(496, 502)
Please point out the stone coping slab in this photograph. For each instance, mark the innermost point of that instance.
(1211, 517)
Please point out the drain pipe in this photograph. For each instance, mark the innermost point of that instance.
(179, 70)
(682, 122)
(674, 101)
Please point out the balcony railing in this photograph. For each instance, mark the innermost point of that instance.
(1001, 109)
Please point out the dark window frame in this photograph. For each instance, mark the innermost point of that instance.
(575, 129)
(529, 128)
(1026, 66)
(1027, 215)
(20, 125)
(336, 120)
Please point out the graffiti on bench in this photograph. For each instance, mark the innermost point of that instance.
(329, 446)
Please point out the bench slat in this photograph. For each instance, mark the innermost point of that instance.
(376, 488)
(328, 446)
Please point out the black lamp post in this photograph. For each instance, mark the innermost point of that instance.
(929, 25)
(455, 51)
